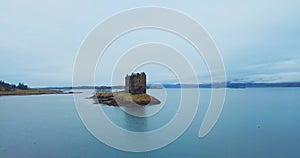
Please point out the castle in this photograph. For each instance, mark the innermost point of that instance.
(135, 83)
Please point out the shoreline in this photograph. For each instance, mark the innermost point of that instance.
(19, 92)
(123, 98)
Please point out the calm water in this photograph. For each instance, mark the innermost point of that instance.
(49, 126)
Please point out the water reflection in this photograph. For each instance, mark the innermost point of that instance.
(135, 123)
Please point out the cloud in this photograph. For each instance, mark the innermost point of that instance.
(253, 37)
(287, 70)
(271, 78)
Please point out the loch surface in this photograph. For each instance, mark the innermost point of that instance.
(255, 122)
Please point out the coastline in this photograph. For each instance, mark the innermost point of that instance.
(31, 92)
(123, 98)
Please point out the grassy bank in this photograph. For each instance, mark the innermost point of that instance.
(29, 92)
(125, 99)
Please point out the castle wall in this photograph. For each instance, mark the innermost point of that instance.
(127, 79)
(135, 83)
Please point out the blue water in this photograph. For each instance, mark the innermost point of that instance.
(49, 126)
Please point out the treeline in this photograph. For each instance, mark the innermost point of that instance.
(11, 87)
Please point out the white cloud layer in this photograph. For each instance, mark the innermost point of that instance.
(259, 40)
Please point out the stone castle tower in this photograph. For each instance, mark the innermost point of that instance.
(135, 83)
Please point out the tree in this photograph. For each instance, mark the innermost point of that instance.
(11, 87)
(22, 86)
(5, 86)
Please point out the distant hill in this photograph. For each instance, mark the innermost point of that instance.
(234, 85)
(208, 85)
(22, 89)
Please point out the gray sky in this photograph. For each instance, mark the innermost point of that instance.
(258, 40)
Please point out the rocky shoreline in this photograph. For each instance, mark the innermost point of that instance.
(124, 99)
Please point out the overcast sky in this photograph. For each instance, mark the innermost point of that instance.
(258, 40)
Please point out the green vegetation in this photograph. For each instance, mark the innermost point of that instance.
(29, 92)
(138, 98)
(22, 89)
(125, 99)
(11, 87)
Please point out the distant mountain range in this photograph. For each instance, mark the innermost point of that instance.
(233, 85)
(214, 85)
